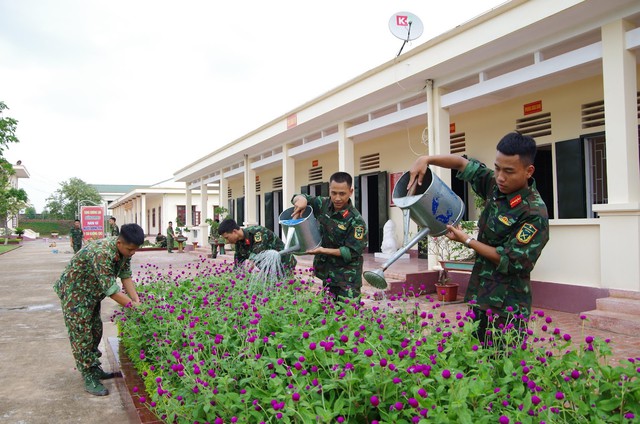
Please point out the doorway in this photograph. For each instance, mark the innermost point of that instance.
(372, 200)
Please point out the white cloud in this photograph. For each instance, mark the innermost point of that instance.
(127, 92)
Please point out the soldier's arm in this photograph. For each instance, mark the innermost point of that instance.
(482, 249)
(520, 253)
(122, 298)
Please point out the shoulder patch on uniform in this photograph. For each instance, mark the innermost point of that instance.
(358, 232)
(504, 220)
(526, 233)
(257, 237)
(515, 201)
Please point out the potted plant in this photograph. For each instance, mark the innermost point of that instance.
(445, 289)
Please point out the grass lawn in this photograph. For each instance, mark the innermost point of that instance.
(8, 247)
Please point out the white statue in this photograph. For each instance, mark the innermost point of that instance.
(389, 244)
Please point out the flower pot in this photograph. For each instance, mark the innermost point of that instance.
(447, 292)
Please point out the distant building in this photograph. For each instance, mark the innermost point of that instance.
(152, 207)
(20, 172)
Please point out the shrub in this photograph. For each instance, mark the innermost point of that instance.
(213, 348)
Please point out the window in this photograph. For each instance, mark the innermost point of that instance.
(153, 217)
(181, 215)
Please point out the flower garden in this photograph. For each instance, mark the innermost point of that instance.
(214, 348)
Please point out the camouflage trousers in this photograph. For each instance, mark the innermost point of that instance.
(341, 291)
(84, 326)
(76, 247)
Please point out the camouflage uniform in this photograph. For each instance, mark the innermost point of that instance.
(344, 230)
(76, 238)
(87, 279)
(115, 231)
(214, 237)
(258, 239)
(517, 225)
(170, 236)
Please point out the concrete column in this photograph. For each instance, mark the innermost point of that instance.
(249, 193)
(441, 138)
(620, 218)
(223, 195)
(203, 234)
(346, 155)
(288, 176)
(187, 219)
(143, 214)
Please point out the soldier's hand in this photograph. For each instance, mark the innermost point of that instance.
(456, 234)
(416, 174)
(299, 206)
(135, 303)
(315, 251)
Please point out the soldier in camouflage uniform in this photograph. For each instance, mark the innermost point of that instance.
(338, 261)
(87, 279)
(513, 229)
(115, 231)
(252, 240)
(170, 237)
(76, 234)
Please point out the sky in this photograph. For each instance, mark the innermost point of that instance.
(131, 91)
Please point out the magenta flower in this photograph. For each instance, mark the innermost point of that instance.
(374, 400)
(295, 396)
(504, 419)
(559, 395)
(446, 373)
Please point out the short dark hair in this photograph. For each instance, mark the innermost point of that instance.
(519, 144)
(114, 219)
(132, 233)
(77, 220)
(170, 222)
(341, 177)
(227, 226)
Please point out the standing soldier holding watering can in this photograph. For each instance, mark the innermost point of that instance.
(338, 260)
(513, 229)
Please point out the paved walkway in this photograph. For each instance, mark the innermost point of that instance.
(39, 382)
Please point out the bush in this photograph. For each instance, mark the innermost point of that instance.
(217, 348)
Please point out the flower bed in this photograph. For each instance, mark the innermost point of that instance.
(216, 348)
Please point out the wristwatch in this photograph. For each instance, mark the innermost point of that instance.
(468, 241)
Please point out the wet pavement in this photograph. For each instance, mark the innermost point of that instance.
(38, 376)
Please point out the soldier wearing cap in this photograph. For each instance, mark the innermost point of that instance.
(338, 261)
(513, 229)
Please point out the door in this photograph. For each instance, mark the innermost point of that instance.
(371, 193)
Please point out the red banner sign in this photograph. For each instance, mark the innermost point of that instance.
(92, 221)
(533, 107)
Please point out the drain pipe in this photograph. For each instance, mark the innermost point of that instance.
(430, 120)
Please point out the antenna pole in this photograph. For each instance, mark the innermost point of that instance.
(405, 41)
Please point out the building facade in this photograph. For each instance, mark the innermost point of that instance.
(564, 72)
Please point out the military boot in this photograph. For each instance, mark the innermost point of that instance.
(92, 385)
(101, 374)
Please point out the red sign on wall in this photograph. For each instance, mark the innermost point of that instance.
(452, 128)
(314, 163)
(92, 221)
(533, 107)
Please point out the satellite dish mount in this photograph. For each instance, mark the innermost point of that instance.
(406, 26)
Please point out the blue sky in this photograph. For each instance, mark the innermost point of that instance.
(128, 92)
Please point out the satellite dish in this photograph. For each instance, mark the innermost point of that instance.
(406, 26)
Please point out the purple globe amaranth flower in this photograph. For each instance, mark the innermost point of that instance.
(589, 339)
(374, 400)
(413, 402)
(566, 337)
(535, 400)
(422, 392)
(559, 395)
(575, 374)
(368, 353)
(295, 396)
(446, 373)
(398, 406)
(503, 419)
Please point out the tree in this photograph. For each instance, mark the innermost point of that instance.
(30, 212)
(12, 199)
(63, 204)
(7, 129)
